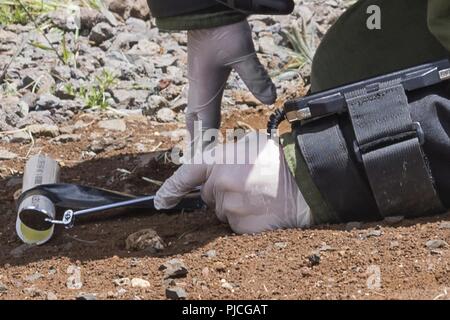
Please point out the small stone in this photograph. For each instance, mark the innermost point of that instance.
(394, 244)
(314, 259)
(305, 272)
(3, 288)
(121, 291)
(139, 283)
(65, 138)
(436, 244)
(326, 247)
(33, 292)
(374, 233)
(47, 102)
(43, 130)
(51, 296)
(444, 225)
(205, 272)
(280, 245)
(122, 282)
(393, 220)
(174, 268)
(225, 284)
(34, 277)
(147, 239)
(19, 137)
(101, 32)
(353, 225)
(165, 115)
(176, 293)
(113, 125)
(210, 254)
(220, 266)
(7, 155)
(87, 296)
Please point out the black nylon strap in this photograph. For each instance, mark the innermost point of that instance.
(395, 165)
(334, 172)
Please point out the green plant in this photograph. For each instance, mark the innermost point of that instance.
(95, 94)
(303, 38)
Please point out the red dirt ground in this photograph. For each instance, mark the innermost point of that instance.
(271, 265)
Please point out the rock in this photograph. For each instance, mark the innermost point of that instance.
(393, 220)
(34, 277)
(37, 81)
(33, 292)
(130, 98)
(436, 244)
(154, 102)
(220, 266)
(129, 8)
(86, 296)
(139, 283)
(65, 19)
(3, 288)
(61, 73)
(305, 271)
(47, 101)
(280, 245)
(325, 248)
(113, 125)
(374, 233)
(444, 225)
(165, 115)
(11, 113)
(176, 293)
(43, 130)
(394, 244)
(51, 296)
(65, 138)
(101, 32)
(90, 17)
(225, 284)
(164, 60)
(145, 47)
(267, 45)
(74, 279)
(122, 282)
(7, 155)
(136, 24)
(147, 239)
(179, 104)
(19, 137)
(210, 254)
(173, 269)
(314, 259)
(353, 225)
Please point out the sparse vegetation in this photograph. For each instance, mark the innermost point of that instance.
(95, 95)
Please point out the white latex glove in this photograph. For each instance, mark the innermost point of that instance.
(252, 197)
(212, 54)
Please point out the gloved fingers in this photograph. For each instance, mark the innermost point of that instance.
(183, 181)
(256, 78)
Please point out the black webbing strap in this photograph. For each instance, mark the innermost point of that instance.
(389, 145)
(334, 172)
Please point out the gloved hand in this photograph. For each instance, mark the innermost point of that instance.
(256, 195)
(212, 54)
